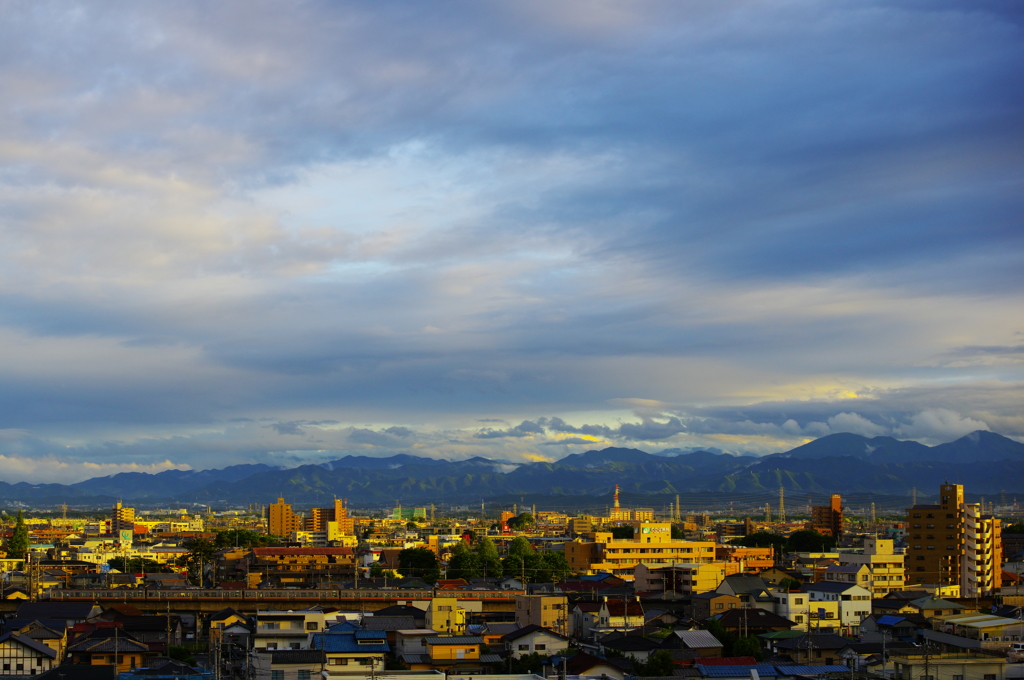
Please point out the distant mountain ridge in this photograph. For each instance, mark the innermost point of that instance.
(837, 463)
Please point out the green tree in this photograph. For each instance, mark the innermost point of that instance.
(622, 532)
(808, 540)
(17, 544)
(200, 552)
(419, 562)
(411, 525)
(521, 522)
(181, 654)
(1017, 528)
(377, 571)
(659, 664)
(243, 538)
(727, 638)
(527, 663)
(490, 563)
(747, 646)
(678, 533)
(137, 565)
(788, 584)
(464, 562)
(552, 567)
(521, 561)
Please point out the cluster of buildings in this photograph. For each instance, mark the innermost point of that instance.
(639, 593)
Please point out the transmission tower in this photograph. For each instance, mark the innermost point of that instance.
(874, 519)
(767, 513)
(913, 497)
(782, 505)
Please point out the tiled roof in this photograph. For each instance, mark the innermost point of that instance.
(389, 622)
(455, 640)
(34, 645)
(763, 670)
(350, 643)
(729, 661)
(527, 630)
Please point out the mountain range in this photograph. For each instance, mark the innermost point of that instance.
(984, 462)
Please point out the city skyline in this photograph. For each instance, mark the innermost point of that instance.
(285, 234)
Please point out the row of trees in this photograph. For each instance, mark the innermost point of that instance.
(482, 560)
(805, 540)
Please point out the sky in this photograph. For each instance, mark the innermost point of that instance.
(286, 232)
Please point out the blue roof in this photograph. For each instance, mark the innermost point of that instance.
(889, 620)
(762, 669)
(812, 670)
(371, 635)
(347, 642)
(342, 626)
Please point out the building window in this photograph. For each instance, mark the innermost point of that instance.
(990, 676)
(524, 648)
(540, 648)
(311, 625)
(339, 662)
(276, 675)
(303, 675)
(958, 677)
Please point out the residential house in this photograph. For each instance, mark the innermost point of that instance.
(877, 627)
(459, 653)
(54, 635)
(752, 621)
(812, 649)
(854, 600)
(630, 645)
(22, 655)
(620, 614)
(978, 631)
(413, 641)
(858, 574)
(701, 641)
(798, 607)
(706, 605)
(389, 625)
(753, 591)
(290, 664)
(70, 612)
(287, 629)
(585, 665)
(585, 616)
(106, 644)
(352, 651)
(932, 607)
(533, 639)
(223, 619)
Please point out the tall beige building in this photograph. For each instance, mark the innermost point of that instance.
(886, 571)
(953, 543)
(121, 518)
(546, 611)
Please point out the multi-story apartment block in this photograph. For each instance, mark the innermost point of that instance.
(282, 521)
(886, 572)
(122, 519)
(683, 579)
(446, 616)
(953, 543)
(828, 519)
(652, 544)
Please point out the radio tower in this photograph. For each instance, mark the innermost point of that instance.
(782, 505)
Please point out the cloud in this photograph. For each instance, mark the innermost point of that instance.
(939, 425)
(736, 225)
(524, 429)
